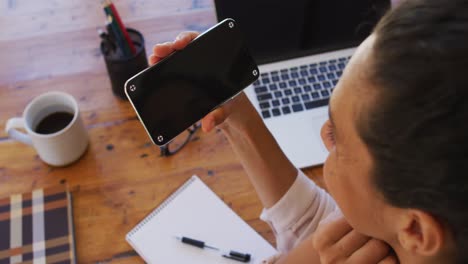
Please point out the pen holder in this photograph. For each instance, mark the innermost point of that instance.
(119, 67)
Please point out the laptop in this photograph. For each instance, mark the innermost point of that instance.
(302, 48)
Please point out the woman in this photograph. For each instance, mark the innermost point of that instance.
(397, 137)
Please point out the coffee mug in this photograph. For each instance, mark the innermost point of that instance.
(54, 128)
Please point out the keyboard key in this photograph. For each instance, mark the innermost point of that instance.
(284, 70)
(322, 63)
(323, 69)
(276, 112)
(312, 79)
(313, 71)
(325, 93)
(331, 76)
(304, 73)
(287, 92)
(285, 101)
(264, 105)
(265, 74)
(286, 110)
(264, 97)
(294, 68)
(292, 83)
(327, 85)
(332, 68)
(305, 97)
(303, 67)
(342, 59)
(313, 65)
(332, 61)
(278, 94)
(334, 82)
(265, 81)
(302, 81)
(284, 77)
(282, 85)
(274, 73)
(297, 90)
(341, 65)
(315, 95)
(295, 99)
(266, 114)
(275, 103)
(307, 88)
(273, 87)
(321, 78)
(261, 89)
(317, 103)
(275, 78)
(297, 108)
(317, 86)
(339, 73)
(256, 83)
(294, 75)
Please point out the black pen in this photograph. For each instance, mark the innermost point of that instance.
(200, 244)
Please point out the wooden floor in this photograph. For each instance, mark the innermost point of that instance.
(53, 45)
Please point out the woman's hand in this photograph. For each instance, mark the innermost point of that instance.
(236, 113)
(337, 242)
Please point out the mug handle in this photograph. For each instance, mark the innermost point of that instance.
(11, 128)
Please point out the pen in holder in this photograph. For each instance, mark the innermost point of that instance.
(121, 67)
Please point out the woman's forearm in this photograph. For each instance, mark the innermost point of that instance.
(269, 170)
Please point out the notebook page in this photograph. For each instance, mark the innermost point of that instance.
(197, 212)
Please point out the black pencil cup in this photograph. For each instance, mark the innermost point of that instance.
(119, 67)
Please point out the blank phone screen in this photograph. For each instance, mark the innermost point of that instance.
(175, 93)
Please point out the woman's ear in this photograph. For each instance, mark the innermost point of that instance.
(421, 233)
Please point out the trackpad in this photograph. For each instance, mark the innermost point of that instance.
(300, 139)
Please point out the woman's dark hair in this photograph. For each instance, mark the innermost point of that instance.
(417, 127)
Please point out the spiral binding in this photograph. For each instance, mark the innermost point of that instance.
(161, 207)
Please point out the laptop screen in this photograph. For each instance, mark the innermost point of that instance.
(278, 29)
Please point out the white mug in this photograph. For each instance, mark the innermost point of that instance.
(59, 148)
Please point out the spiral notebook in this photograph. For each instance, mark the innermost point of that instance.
(195, 211)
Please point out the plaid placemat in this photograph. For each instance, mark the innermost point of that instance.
(37, 227)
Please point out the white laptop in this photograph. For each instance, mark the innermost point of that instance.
(302, 47)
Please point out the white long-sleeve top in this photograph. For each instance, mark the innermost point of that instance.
(298, 213)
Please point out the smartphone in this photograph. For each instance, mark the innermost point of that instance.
(181, 89)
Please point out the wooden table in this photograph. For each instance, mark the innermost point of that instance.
(53, 45)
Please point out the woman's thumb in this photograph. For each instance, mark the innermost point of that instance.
(210, 121)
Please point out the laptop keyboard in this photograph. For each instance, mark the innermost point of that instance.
(298, 89)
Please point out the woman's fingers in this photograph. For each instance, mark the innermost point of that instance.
(390, 259)
(337, 242)
(164, 49)
(373, 251)
(330, 233)
(183, 39)
(153, 59)
(348, 244)
(160, 51)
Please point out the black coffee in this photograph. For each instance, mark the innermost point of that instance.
(54, 122)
